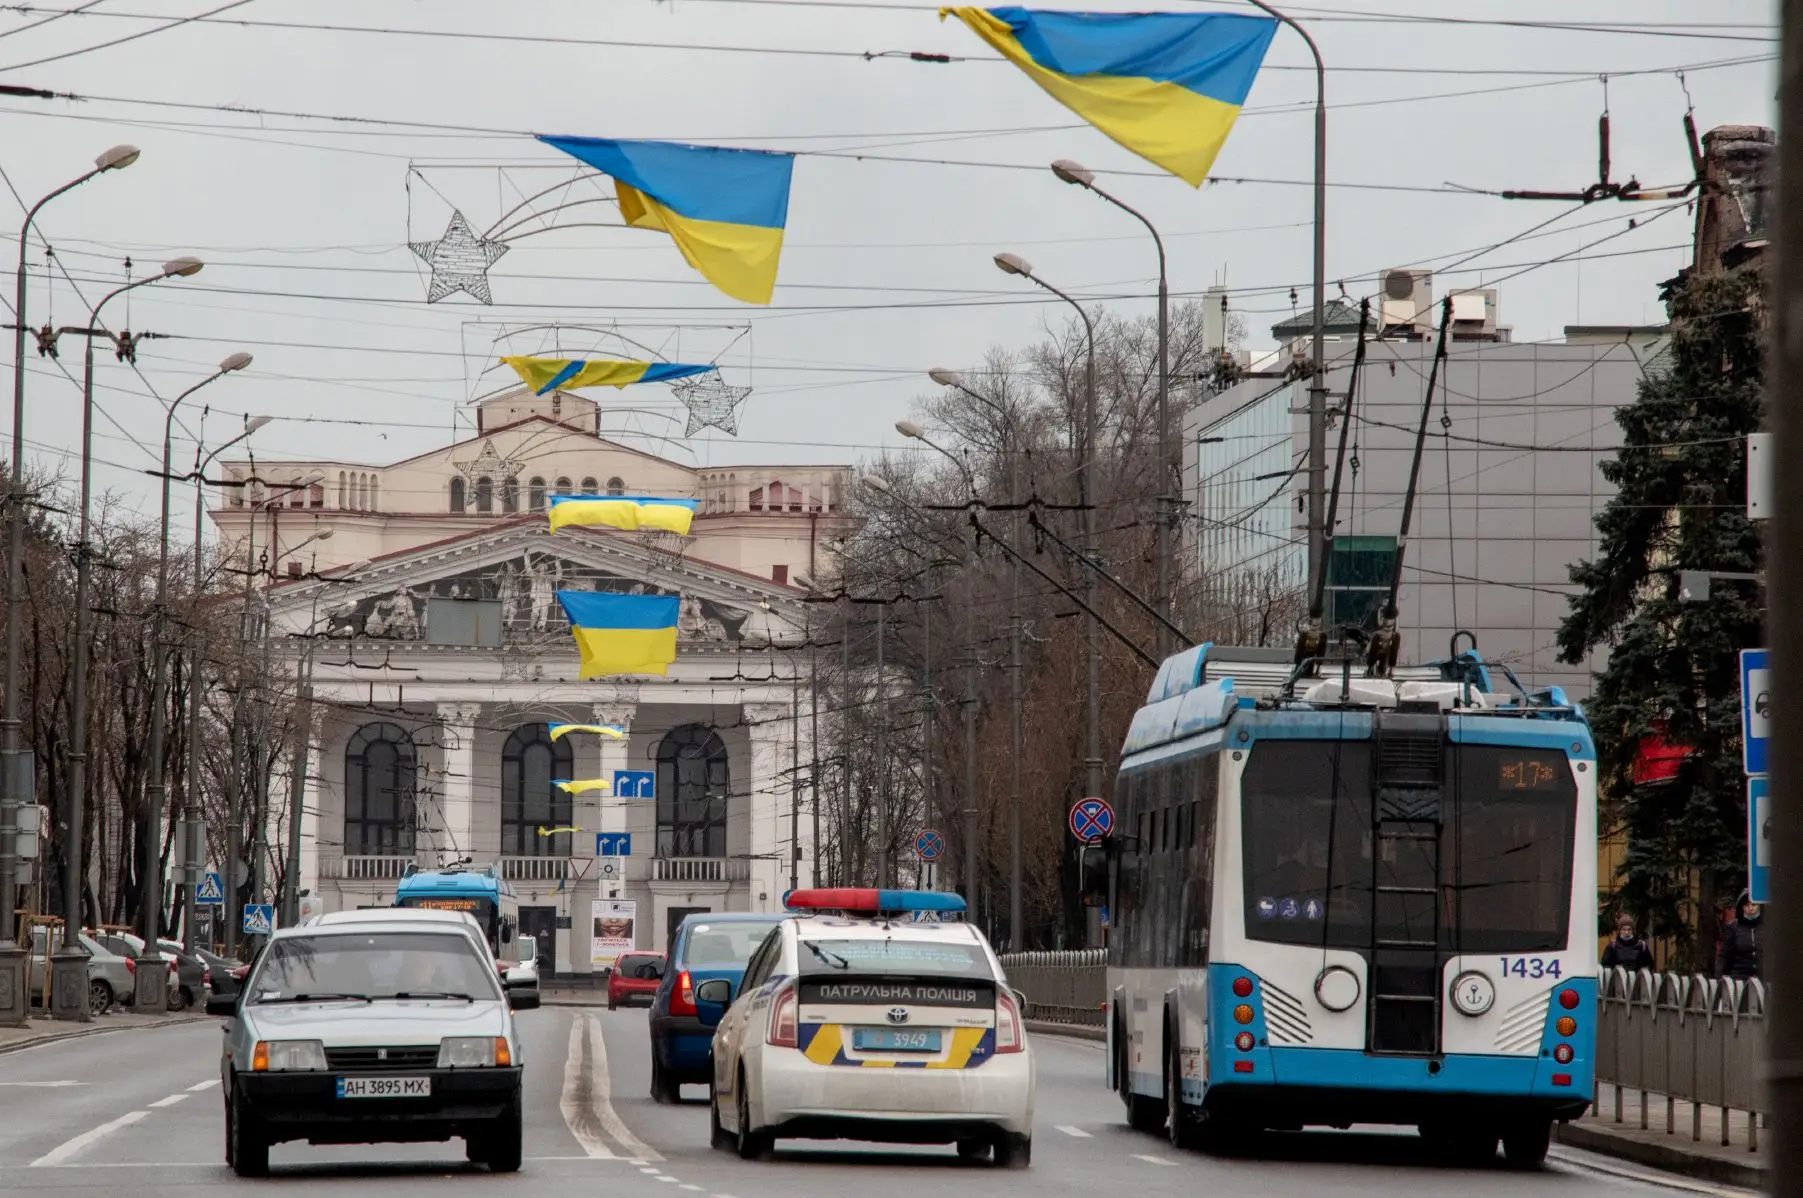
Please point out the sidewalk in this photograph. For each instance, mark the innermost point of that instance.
(43, 1030)
(1675, 1152)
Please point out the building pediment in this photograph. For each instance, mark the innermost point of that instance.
(499, 587)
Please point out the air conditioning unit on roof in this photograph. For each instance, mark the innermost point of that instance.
(1407, 300)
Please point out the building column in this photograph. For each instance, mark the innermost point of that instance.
(769, 726)
(457, 799)
(614, 755)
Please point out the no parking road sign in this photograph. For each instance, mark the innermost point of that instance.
(1091, 820)
(929, 844)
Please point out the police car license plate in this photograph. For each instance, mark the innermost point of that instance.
(384, 1087)
(888, 1039)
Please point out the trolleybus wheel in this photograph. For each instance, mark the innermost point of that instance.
(1525, 1144)
(1180, 1122)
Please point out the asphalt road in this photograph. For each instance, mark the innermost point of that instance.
(139, 1112)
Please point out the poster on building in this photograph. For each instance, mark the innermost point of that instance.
(615, 928)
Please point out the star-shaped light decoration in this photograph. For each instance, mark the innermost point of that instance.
(459, 261)
(488, 464)
(711, 402)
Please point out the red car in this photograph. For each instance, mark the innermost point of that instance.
(634, 979)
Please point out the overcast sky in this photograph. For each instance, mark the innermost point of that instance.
(304, 224)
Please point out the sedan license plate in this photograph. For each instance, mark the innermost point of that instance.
(887, 1039)
(384, 1087)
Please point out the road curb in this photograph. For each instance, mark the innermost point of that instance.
(1075, 1031)
(53, 1037)
(1669, 1158)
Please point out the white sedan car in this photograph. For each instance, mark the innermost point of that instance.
(859, 1025)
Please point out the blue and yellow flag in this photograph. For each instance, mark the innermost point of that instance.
(545, 375)
(1167, 86)
(622, 634)
(558, 731)
(724, 209)
(630, 512)
(580, 786)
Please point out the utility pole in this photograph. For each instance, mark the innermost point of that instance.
(795, 785)
(297, 790)
(814, 746)
(1784, 1064)
(972, 841)
(882, 756)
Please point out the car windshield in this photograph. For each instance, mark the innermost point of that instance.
(913, 958)
(727, 944)
(374, 965)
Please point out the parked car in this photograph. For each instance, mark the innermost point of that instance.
(131, 946)
(715, 944)
(109, 974)
(190, 988)
(634, 979)
(219, 971)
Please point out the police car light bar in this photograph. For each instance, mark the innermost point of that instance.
(861, 900)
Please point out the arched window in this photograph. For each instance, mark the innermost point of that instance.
(316, 495)
(297, 494)
(343, 493)
(375, 498)
(528, 800)
(616, 486)
(457, 494)
(590, 487)
(693, 779)
(757, 499)
(563, 486)
(380, 768)
(535, 495)
(485, 494)
(510, 495)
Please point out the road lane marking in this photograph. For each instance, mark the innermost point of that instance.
(206, 1085)
(603, 1104)
(1075, 1131)
(1154, 1160)
(650, 1169)
(69, 1148)
(170, 1101)
(55, 1085)
(578, 1095)
(686, 1186)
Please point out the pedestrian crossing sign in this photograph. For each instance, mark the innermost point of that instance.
(210, 888)
(259, 919)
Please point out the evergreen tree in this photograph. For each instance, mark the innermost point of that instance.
(1673, 668)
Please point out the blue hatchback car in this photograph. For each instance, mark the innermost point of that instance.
(717, 944)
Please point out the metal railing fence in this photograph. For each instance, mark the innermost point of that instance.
(1061, 987)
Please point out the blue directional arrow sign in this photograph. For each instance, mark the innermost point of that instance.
(211, 889)
(259, 919)
(1755, 710)
(613, 844)
(635, 784)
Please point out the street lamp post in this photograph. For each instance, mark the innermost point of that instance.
(1016, 932)
(1014, 264)
(16, 781)
(1077, 174)
(194, 815)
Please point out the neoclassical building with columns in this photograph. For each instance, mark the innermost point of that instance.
(435, 668)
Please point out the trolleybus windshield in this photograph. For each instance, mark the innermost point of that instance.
(1503, 839)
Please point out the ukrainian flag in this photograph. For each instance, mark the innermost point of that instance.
(622, 634)
(724, 209)
(581, 786)
(1168, 86)
(629, 512)
(545, 375)
(558, 731)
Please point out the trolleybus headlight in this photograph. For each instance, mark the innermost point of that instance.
(1244, 1041)
(1567, 1026)
(1568, 999)
(1563, 1054)
(1337, 988)
(1242, 1013)
(1242, 987)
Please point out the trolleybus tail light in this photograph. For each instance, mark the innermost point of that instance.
(682, 995)
(1008, 1037)
(1244, 1042)
(1563, 1054)
(1561, 1079)
(1243, 1013)
(1242, 987)
(782, 1019)
(1242, 1066)
(1567, 1026)
(1568, 999)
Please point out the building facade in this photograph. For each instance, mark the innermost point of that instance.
(1507, 497)
(434, 656)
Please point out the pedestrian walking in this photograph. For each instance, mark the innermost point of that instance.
(1737, 952)
(1627, 951)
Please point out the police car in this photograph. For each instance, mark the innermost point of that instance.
(871, 1015)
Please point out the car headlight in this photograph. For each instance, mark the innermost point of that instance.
(280, 1056)
(473, 1052)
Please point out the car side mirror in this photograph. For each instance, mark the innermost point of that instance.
(522, 998)
(1020, 1000)
(225, 1005)
(712, 998)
